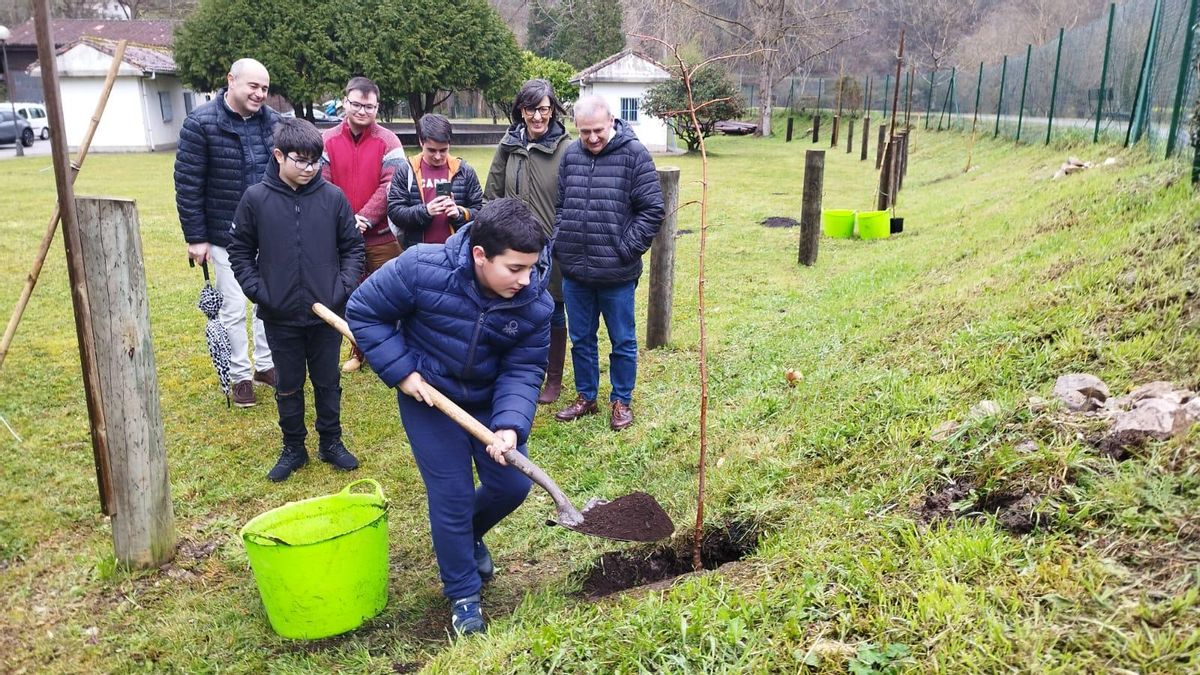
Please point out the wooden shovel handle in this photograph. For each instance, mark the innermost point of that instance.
(567, 513)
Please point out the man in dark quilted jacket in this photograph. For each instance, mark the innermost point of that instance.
(610, 206)
(471, 318)
(224, 148)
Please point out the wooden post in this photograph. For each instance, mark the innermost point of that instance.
(75, 266)
(816, 127)
(885, 178)
(866, 135)
(901, 160)
(789, 129)
(850, 137)
(662, 263)
(810, 211)
(833, 132)
(143, 524)
(880, 145)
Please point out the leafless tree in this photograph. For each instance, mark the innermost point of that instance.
(934, 27)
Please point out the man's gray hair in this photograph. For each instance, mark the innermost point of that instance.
(590, 105)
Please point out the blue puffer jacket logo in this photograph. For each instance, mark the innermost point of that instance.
(425, 312)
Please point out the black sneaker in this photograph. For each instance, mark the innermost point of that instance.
(483, 561)
(466, 615)
(290, 460)
(335, 453)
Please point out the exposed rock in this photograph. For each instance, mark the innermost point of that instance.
(984, 409)
(1149, 421)
(1159, 389)
(1077, 390)
(1027, 446)
(1188, 415)
(1038, 404)
(943, 431)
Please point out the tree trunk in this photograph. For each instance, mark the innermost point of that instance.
(765, 97)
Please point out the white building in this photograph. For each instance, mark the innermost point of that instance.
(148, 102)
(623, 79)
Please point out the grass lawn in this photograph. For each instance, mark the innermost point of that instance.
(1003, 281)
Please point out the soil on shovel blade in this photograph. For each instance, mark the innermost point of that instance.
(635, 516)
(618, 571)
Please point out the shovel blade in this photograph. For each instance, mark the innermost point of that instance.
(633, 517)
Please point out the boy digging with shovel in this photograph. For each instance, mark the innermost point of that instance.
(472, 318)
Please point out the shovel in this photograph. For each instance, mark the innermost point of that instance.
(633, 517)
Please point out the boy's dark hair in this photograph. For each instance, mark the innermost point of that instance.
(299, 136)
(434, 127)
(362, 85)
(531, 94)
(507, 223)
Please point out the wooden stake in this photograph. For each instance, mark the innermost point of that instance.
(76, 270)
(789, 129)
(51, 227)
(816, 127)
(880, 145)
(662, 263)
(810, 212)
(142, 523)
(850, 136)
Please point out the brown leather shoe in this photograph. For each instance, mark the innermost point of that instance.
(266, 377)
(243, 394)
(621, 416)
(578, 409)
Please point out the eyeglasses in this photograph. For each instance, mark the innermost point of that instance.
(365, 107)
(304, 164)
(543, 110)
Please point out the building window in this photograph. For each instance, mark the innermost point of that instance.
(629, 109)
(164, 105)
(189, 102)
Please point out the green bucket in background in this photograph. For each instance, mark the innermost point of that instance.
(837, 223)
(874, 225)
(321, 564)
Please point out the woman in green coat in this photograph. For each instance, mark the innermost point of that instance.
(526, 167)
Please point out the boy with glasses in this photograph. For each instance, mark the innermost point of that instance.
(296, 242)
(360, 158)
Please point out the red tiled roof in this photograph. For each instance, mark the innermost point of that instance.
(68, 31)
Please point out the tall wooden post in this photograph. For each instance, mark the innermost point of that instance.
(833, 132)
(816, 127)
(791, 122)
(810, 211)
(75, 264)
(880, 144)
(849, 136)
(866, 135)
(143, 523)
(662, 263)
(884, 199)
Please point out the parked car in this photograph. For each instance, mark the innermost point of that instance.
(13, 128)
(35, 114)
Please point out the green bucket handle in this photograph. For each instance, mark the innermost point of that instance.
(378, 488)
(266, 539)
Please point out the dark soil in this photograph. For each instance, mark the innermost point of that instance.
(622, 570)
(780, 221)
(1014, 510)
(634, 517)
(1121, 445)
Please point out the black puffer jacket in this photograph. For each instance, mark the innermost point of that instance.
(406, 201)
(219, 156)
(610, 207)
(291, 248)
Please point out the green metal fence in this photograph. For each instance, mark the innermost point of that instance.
(1128, 77)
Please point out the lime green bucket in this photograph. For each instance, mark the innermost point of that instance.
(838, 223)
(874, 225)
(321, 564)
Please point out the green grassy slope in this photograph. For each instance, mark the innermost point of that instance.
(1003, 280)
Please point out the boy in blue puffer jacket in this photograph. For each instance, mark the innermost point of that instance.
(470, 317)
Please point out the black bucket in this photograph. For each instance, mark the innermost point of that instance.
(897, 225)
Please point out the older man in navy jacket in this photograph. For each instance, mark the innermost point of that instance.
(224, 148)
(610, 207)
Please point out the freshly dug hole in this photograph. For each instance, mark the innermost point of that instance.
(618, 571)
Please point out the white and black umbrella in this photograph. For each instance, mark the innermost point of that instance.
(214, 333)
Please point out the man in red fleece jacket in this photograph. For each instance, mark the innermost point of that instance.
(360, 158)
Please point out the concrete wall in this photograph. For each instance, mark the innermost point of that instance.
(122, 128)
(164, 134)
(651, 131)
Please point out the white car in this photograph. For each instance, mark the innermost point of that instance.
(35, 114)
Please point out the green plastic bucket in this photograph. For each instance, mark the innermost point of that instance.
(321, 564)
(838, 223)
(874, 225)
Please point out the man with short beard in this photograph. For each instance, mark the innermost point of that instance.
(360, 158)
(224, 148)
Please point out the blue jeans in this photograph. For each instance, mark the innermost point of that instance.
(585, 306)
(459, 512)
